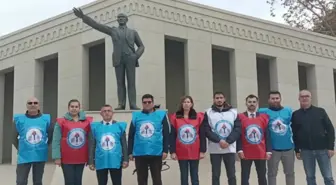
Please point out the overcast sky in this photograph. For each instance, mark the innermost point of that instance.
(17, 14)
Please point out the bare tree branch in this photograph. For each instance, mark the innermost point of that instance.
(313, 15)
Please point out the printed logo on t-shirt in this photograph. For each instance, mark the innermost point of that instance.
(76, 138)
(34, 136)
(187, 134)
(253, 134)
(223, 128)
(147, 129)
(107, 142)
(278, 126)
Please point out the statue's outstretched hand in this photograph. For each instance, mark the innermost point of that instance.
(78, 12)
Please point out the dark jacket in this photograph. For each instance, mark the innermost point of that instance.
(173, 133)
(268, 142)
(312, 129)
(165, 134)
(212, 136)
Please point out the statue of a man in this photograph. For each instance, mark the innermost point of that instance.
(125, 57)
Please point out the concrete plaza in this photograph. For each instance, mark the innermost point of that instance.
(53, 175)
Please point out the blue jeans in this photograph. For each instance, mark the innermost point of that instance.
(185, 166)
(73, 173)
(309, 158)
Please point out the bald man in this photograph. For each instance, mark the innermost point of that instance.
(32, 134)
(314, 139)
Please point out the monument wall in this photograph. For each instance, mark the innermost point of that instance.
(211, 50)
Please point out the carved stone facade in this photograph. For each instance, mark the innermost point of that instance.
(211, 20)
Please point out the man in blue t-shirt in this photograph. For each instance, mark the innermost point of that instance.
(281, 134)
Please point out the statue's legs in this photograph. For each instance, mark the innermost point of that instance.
(127, 65)
(121, 88)
(130, 74)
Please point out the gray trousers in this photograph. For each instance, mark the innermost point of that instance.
(22, 173)
(287, 159)
(126, 67)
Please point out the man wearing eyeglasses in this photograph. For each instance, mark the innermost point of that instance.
(314, 139)
(148, 138)
(32, 135)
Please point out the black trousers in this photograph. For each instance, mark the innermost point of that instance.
(102, 176)
(246, 170)
(155, 165)
(22, 173)
(73, 173)
(229, 160)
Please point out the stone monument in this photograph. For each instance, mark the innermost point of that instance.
(125, 57)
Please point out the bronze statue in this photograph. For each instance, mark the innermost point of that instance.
(124, 56)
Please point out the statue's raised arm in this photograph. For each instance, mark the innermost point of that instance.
(89, 21)
(125, 55)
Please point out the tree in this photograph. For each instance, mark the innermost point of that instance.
(314, 15)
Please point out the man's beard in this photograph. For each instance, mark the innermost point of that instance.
(276, 105)
(220, 104)
(251, 108)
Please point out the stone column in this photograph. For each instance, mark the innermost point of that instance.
(199, 83)
(321, 84)
(111, 81)
(2, 107)
(243, 77)
(150, 76)
(73, 77)
(28, 82)
(285, 79)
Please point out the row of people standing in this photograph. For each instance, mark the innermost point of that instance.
(264, 137)
(77, 141)
(148, 142)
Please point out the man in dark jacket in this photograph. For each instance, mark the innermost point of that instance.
(314, 139)
(222, 128)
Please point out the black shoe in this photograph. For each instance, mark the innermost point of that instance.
(134, 108)
(120, 108)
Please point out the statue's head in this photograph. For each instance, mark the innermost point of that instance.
(122, 19)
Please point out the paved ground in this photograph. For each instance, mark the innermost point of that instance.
(53, 175)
